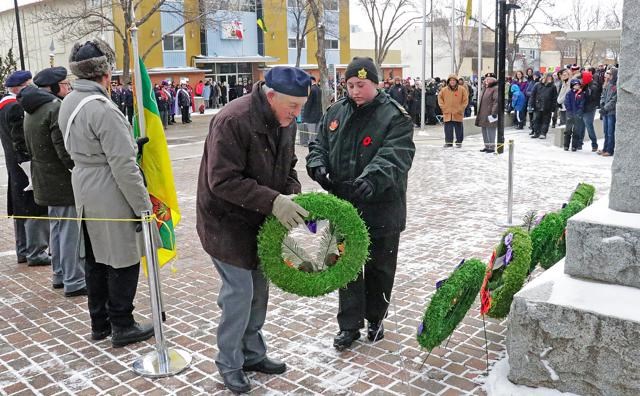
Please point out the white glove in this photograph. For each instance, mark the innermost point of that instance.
(289, 213)
(26, 168)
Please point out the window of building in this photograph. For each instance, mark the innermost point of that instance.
(173, 42)
(331, 5)
(333, 44)
(238, 5)
(292, 43)
(569, 51)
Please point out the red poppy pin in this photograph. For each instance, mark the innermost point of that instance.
(334, 125)
(366, 141)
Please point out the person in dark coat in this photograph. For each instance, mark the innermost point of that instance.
(574, 103)
(398, 92)
(312, 113)
(608, 102)
(592, 102)
(183, 99)
(431, 103)
(543, 101)
(488, 108)
(363, 153)
(247, 173)
(127, 96)
(51, 175)
(32, 235)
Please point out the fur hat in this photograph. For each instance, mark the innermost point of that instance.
(92, 59)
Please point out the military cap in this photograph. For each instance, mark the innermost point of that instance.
(48, 77)
(17, 78)
(288, 80)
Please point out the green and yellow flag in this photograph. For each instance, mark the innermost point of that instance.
(156, 165)
(261, 25)
(469, 12)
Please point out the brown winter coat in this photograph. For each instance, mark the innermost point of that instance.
(452, 102)
(488, 105)
(244, 167)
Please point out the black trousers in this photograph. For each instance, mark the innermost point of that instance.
(449, 127)
(185, 113)
(130, 114)
(110, 291)
(364, 298)
(541, 120)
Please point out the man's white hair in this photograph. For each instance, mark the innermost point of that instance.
(266, 89)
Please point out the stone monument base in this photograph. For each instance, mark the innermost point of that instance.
(575, 335)
(602, 244)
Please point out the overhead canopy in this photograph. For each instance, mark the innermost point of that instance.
(234, 59)
(597, 35)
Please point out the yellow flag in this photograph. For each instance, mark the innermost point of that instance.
(469, 12)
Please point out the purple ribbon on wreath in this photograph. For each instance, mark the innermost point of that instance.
(421, 328)
(312, 226)
(509, 255)
(539, 220)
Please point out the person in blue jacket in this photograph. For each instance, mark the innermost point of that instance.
(519, 105)
(574, 103)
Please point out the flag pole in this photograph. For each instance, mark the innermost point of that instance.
(479, 78)
(424, 65)
(162, 361)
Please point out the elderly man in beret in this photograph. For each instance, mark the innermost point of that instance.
(32, 235)
(247, 173)
(363, 153)
(51, 174)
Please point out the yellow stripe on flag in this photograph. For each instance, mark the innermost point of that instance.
(156, 165)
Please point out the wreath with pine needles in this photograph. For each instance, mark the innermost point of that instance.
(450, 303)
(344, 248)
(506, 273)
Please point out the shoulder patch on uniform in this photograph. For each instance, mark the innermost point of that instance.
(400, 107)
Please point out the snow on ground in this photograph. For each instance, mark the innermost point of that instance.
(498, 384)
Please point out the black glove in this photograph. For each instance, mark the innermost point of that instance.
(321, 176)
(141, 142)
(364, 188)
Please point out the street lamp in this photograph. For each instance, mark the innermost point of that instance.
(503, 9)
(52, 54)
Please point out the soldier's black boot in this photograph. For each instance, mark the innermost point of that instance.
(345, 338)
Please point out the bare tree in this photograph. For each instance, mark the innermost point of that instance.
(299, 15)
(316, 8)
(521, 20)
(389, 19)
(464, 39)
(8, 65)
(589, 18)
(79, 22)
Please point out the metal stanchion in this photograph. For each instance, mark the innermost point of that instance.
(509, 222)
(163, 361)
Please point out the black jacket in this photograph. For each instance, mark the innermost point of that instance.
(372, 142)
(19, 202)
(543, 97)
(593, 92)
(313, 108)
(50, 162)
(398, 93)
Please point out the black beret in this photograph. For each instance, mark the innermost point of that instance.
(289, 81)
(18, 78)
(363, 68)
(48, 77)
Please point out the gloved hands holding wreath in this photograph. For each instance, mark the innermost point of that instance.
(321, 175)
(364, 188)
(289, 213)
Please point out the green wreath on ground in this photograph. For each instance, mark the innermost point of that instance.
(344, 248)
(450, 303)
(506, 273)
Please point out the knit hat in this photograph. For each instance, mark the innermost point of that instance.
(92, 59)
(574, 81)
(363, 68)
(587, 77)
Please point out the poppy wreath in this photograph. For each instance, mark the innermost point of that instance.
(450, 303)
(354, 248)
(506, 273)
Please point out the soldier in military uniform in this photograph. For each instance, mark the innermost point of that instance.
(363, 153)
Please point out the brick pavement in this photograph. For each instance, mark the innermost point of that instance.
(456, 197)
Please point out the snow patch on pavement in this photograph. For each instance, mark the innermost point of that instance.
(497, 384)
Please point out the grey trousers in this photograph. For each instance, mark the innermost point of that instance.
(68, 267)
(243, 300)
(489, 137)
(32, 239)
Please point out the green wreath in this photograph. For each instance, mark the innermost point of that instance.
(584, 194)
(346, 229)
(505, 281)
(450, 303)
